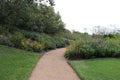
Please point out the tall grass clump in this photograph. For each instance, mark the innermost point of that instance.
(93, 48)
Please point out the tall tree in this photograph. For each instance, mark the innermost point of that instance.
(23, 14)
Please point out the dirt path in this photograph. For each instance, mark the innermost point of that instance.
(53, 66)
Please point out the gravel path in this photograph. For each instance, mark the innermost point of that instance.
(53, 66)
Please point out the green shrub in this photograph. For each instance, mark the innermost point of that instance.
(16, 38)
(4, 28)
(93, 49)
(5, 41)
(32, 41)
(60, 42)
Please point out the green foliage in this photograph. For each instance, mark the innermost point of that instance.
(93, 48)
(27, 26)
(32, 41)
(25, 15)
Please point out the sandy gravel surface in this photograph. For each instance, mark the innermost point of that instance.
(53, 66)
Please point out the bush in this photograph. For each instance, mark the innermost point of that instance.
(84, 49)
(31, 45)
(4, 28)
(32, 41)
(52, 42)
(16, 38)
(60, 42)
(4, 40)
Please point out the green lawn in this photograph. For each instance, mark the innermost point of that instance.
(16, 64)
(97, 69)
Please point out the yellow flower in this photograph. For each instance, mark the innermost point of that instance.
(24, 42)
(1, 36)
(36, 44)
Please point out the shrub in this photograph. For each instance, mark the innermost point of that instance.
(16, 38)
(31, 45)
(32, 41)
(4, 28)
(1, 35)
(93, 49)
(4, 40)
(60, 42)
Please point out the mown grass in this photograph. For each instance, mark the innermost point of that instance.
(97, 69)
(16, 64)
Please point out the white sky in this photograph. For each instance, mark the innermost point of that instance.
(80, 14)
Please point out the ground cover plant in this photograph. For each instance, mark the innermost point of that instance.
(97, 69)
(16, 64)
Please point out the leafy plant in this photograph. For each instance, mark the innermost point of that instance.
(93, 48)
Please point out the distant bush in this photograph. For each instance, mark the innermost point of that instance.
(85, 49)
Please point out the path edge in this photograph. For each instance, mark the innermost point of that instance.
(81, 78)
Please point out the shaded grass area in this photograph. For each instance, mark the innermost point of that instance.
(97, 69)
(16, 64)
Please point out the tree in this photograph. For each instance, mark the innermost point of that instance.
(23, 14)
(14, 7)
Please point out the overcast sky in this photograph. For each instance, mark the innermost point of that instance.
(81, 14)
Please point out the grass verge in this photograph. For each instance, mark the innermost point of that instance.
(97, 69)
(16, 64)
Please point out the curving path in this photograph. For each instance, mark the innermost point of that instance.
(53, 66)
